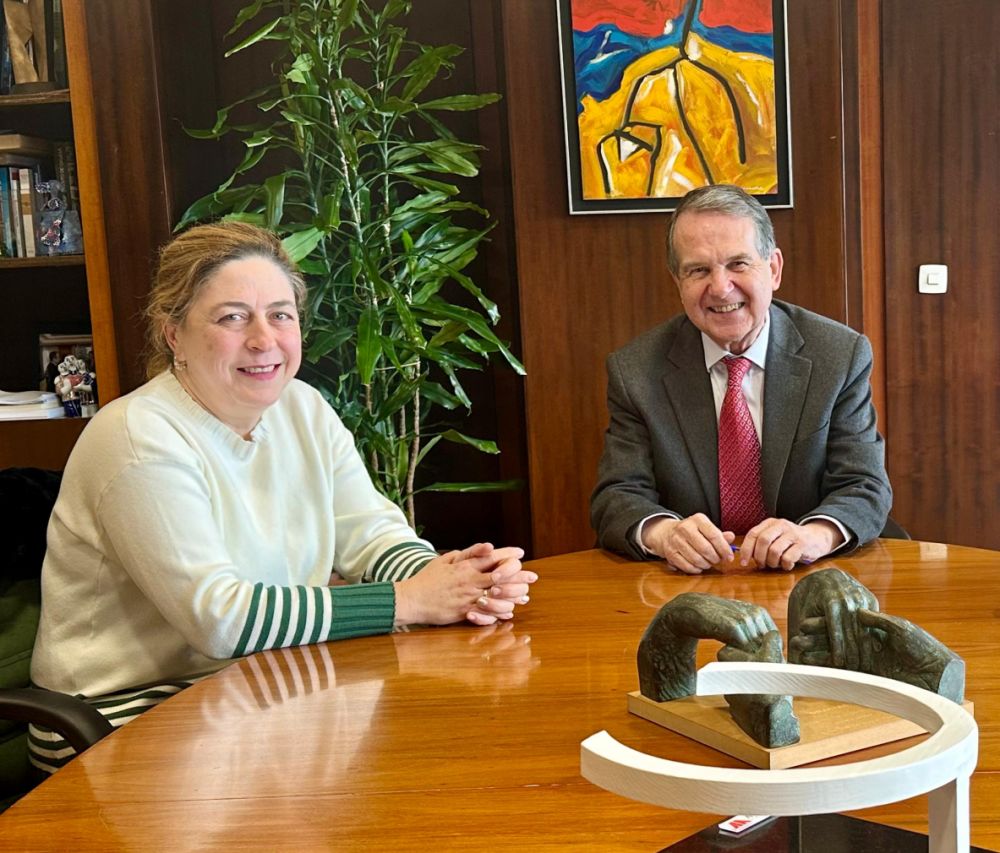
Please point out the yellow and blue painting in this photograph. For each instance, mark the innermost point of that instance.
(662, 96)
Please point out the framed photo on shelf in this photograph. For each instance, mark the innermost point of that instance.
(79, 345)
(662, 97)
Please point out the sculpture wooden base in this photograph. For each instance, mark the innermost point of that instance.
(828, 728)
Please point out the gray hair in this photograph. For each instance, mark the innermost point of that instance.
(732, 201)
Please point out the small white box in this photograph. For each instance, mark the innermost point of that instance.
(933, 278)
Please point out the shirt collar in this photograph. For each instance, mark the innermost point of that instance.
(756, 352)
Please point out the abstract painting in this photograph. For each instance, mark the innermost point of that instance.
(661, 96)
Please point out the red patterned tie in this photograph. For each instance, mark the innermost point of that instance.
(740, 494)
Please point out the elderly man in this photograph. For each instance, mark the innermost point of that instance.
(742, 417)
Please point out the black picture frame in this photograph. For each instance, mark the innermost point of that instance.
(648, 140)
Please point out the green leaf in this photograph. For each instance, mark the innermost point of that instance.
(263, 33)
(345, 15)
(329, 208)
(494, 486)
(395, 8)
(427, 448)
(368, 344)
(431, 184)
(452, 331)
(456, 386)
(274, 190)
(423, 202)
(245, 14)
(301, 243)
(396, 106)
(322, 343)
(400, 399)
(313, 266)
(261, 137)
(422, 70)
(436, 394)
(476, 324)
(451, 157)
(297, 118)
(460, 102)
(301, 69)
(214, 204)
(488, 304)
(481, 444)
(217, 129)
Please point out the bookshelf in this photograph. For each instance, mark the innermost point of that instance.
(62, 293)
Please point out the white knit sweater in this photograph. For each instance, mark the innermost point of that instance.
(175, 544)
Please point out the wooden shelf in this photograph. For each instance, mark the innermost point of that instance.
(39, 443)
(57, 96)
(44, 261)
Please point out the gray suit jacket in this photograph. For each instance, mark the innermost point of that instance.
(821, 451)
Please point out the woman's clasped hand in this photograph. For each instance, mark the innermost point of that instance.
(481, 583)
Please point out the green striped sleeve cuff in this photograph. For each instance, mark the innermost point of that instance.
(402, 561)
(281, 616)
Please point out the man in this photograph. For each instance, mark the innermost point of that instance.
(52, 372)
(741, 417)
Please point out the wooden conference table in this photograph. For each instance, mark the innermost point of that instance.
(462, 738)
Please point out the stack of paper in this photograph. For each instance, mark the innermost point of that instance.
(29, 405)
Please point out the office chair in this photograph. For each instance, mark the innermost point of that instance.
(893, 530)
(26, 499)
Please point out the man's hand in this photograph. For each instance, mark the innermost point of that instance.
(690, 545)
(777, 543)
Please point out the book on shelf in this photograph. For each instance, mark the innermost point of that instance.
(56, 38)
(6, 67)
(28, 146)
(6, 236)
(14, 205)
(23, 214)
(29, 210)
(64, 161)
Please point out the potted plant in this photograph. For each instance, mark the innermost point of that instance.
(360, 179)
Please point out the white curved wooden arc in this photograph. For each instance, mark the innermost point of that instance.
(941, 764)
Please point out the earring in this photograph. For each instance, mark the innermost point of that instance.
(179, 364)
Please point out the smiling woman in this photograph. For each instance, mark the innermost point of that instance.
(205, 515)
(240, 343)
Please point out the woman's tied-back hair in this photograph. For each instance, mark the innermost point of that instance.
(188, 261)
(732, 201)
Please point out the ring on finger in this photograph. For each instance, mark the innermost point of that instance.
(484, 599)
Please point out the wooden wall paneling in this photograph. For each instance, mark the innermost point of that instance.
(588, 284)
(500, 268)
(941, 123)
(811, 234)
(129, 153)
(863, 235)
(87, 143)
(188, 50)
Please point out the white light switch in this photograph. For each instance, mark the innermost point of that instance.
(933, 278)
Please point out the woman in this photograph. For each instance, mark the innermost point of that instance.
(201, 516)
